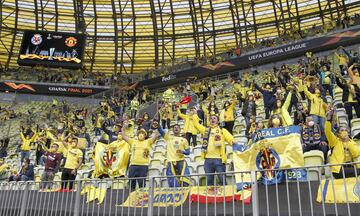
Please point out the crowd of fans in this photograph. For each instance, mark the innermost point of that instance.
(300, 94)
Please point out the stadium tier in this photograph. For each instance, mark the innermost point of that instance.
(179, 107)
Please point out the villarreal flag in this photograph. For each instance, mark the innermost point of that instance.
(272, 148)
(339, 191)
(112, 159)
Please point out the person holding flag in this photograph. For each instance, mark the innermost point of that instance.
(177, 148)
(140, 156)
(190, 119)
(213, 149)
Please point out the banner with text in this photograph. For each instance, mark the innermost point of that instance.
(51, 89)
(269, 55)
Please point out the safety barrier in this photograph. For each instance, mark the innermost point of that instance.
(241, 194)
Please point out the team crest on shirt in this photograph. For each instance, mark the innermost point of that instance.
(217, 138)
(177, 144)
(146, 153)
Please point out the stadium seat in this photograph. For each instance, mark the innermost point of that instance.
(157, 155)
(355, 130)
(197, 150)
(200, 169)
(198, 159)
(155, 163)
(160, 148)
(314, 158)
(154, 172)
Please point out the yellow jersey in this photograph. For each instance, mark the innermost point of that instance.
(140, 151)
(72, 158)
(26, 146)
(216, 143)
(173, 144)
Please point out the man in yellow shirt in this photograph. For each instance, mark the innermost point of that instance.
(177, 148)
(214, 150)
(27, 138)
(140, 156)
(72, 163)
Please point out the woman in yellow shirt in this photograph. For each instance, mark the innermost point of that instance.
(227, 115)
(189, 128)
(344, 150)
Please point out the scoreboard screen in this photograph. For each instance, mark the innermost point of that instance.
(52, 49)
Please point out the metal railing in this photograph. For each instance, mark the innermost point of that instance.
(241, 194)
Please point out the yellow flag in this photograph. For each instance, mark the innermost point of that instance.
(272, 148)
(331, 191)
(163, 197)
(111, 159)
(92, 193)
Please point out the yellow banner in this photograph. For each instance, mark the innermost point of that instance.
(228, 193)
(92, 193)
(272, 148)
(331, 191)
(111, 159)
(163, 197)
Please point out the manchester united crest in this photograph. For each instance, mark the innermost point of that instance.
(71, 41)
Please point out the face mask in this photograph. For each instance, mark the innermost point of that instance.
(276, 121)
(343, 134)
(278, 91)
(311, 123)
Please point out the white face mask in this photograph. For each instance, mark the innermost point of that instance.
(311, 123)
(278, 91)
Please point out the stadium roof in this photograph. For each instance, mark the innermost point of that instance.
(132, 36)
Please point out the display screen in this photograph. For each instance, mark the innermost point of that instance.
(52, 49)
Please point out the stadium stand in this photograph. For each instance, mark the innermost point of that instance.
(275, 139)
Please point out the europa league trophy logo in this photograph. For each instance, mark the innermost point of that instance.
(52, 50)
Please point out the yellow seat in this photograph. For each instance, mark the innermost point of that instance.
(155, 163)
(314, 158)
(198, 159)
(37, 178)
(158, 155)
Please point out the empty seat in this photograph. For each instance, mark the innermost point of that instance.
(200, 169)
(158, 155)
(314, 158)
(154, 172)
(155, 163)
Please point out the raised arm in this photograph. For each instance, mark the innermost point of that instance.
(284, 110)
(350, 71)
(199, 126)
(126, 138)
(330, 135)
(307, 93)
(182, 116)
